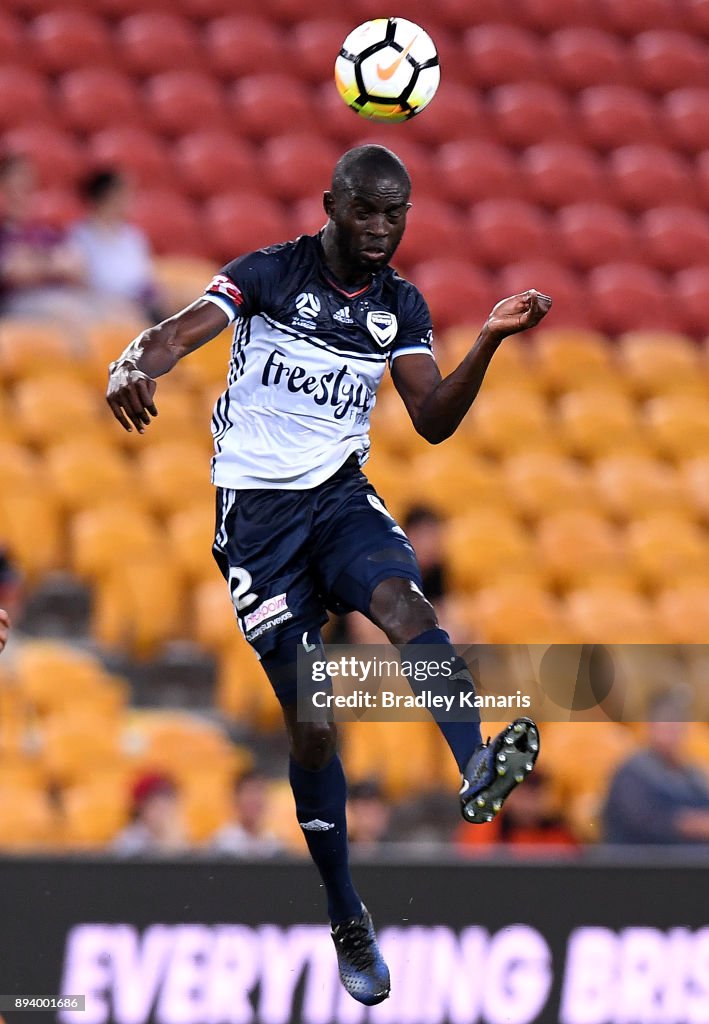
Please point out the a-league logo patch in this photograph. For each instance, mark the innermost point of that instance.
(383, 326)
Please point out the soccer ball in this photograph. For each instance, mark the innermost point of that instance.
(387, 69)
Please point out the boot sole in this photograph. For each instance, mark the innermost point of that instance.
(516, 752)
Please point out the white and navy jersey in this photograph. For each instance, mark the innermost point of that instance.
(306, 361)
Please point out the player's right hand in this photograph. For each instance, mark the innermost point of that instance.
(4, 627)
(130, 396)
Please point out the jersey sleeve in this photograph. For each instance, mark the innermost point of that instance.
(242, 287)
(415, 335)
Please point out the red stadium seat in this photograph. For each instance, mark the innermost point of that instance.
(59, 207)
(202, 9)
(342, 123)
(591, 233)
(418, 11)
(240, 222)
(55, 155)
(581, 57)
(458, 114)
(456, 292)
(613, 115)
(633, 16)
(183, 101)
(691, 289)
(646, 176)
(122, 8)
(307, 216)
(245, 44)
(295, 166)
(210, 162)
(150, 42)
(11, 41)
(472, 170)
(569, 303)
(458, 14)
(266, 105)
(433, 229)
(525, 112)
(65, 39)
(556, 173)
(629, 296)
(315, 43)
(24, 96)
(686, 115)
(93, 98)
(501, 53)
(665, 60)
(422, 165)
(170, 221)
(132, 149)
(703, 177)
(698, 15)
(501, 228)
(675, 236)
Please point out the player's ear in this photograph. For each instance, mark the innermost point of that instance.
(328, 201)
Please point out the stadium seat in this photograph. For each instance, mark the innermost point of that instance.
(458, 114)
(191, 533)
(104, 342)
(686, 118)
(296, 166)
(631, 485)
(243, 44)
(61, 40)
(152, 41)
(654, 362)
(702, 167)
(679, 425)
(210, 162)
(456, 291)
(511, 367)
(27, 346)
(121, 8)
(629, 296)
(343, 125)
(93, 812)
(21, 469)
(556, 173)
(508, 420)
(666, 59)
(132, 149)
(567, 359)
(524, 112)
(237, 222)
(580, 57)
(139, 603)
(684, 612)
(73, 744)
(315, 44)
(24, 97)
(170, 222)
(614, 115)
(52, 407)
(665, 548)
(514, 613)
(546, 15)
(609, 614)
(30, 821)
(569, 305)
(645, 176)
(484, 546)
(55, 676)
(501, 53)
(539, 483)
(180, 280)
(577, 546)
(11, 40)
(183, 418)
(182, 101)
(54, 154)
(473, 169)
(84, 473)
(174, 475)
(590, 232)
(634, 16)
(595, 422)
(694, 477)
(433, 229)
(477, 482)
(495, 223)
(57, 206)
(698, 16)
(691, 288)
(30, 526)
(270, 104)
(101, 538)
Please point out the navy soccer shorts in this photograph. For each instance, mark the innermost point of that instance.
(290, 556)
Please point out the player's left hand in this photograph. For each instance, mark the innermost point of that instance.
(4, 627)
(518, 313)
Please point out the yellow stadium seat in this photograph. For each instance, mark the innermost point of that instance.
(83, 472)
(610, 614)
(632, 485)
(566, 359)
(444, 477)
(595, 422)
(139, 602)
(183, 745)
(484, 546)
(77, 744)
(21, 469)
(103, 537)
(684, 612)
(679, 425)
(181, 279)
(29, 821)
(392, 429)
(510, 613)
(191, 535)
(539, 483)
(511, 366)
(666, 548)
(282, 820)
(383, 749)
(655, 362)
(174, 475)
(694, 479)
(207, 366)
(104, 344)
(181, 418)
(28, 348)
(51, 674)
(214, 622)
(51, 408)
(391, 477)
(503, 421)
(93, 813)
(207, 803)
(240, 682)
(30, 526)
(18, 771)
(575, 546)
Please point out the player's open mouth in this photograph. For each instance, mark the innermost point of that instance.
(375, 254)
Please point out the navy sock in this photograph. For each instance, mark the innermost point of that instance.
(462, 736)
(320, 799)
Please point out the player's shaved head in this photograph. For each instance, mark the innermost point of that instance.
(365, 164)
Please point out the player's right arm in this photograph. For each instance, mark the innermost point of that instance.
(4, 627)
(131, 378)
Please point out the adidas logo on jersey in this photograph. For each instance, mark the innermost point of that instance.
(316, 825)
(343, 316)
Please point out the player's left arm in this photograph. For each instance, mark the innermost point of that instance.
(4, 627)
(437, 405)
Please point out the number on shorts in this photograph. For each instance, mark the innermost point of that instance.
(239, 583)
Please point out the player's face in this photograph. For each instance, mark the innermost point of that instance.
(369, 220)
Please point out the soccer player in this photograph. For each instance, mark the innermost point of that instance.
(4, 628)
(299, 528)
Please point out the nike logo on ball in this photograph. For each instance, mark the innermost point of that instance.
(387, 72)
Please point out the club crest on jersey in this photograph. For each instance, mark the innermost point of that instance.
(383, 326)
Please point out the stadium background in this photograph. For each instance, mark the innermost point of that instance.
(567, 149)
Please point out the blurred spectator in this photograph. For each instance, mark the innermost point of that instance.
(157, 825)
(368, 816)
(248, 834)
(657, 796)
(422, 525)
(11, 601)
(42, 274)
(116, 253)
(528, 819)
(4, 628)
